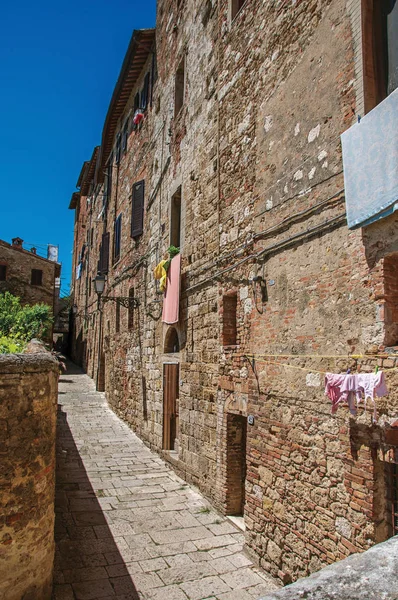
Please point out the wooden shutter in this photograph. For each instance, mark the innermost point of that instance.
(137, 209)
(105, 253)
(117, 238)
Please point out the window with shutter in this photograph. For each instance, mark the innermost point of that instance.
(117, 234)
(104, 258)
(118, 144)
(137, 209)
(125, 135)
(145, 93)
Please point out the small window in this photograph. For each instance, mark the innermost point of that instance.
(390, 305)
(179, 93)
(108, 182)
(137, 209)
(36, 277)
(380, 50)
(145, 93)
(175, 219)
(171, 343)
(118, 146)
(117, 324)
(125, 136)
(130, 323)
(236, 5)
(3, 272)
(229, 328)
(117, 235)
(103, 263)
(136, 102)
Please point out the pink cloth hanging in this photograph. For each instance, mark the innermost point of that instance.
(171, 303)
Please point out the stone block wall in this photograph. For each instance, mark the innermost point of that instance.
(28, 406)
(255, 151)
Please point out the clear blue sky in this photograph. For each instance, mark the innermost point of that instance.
(58, 66)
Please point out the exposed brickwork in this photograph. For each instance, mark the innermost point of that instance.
(256, 151)
(28, 407)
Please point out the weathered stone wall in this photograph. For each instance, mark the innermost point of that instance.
(19, 264)
(256, 151)
(28, 406)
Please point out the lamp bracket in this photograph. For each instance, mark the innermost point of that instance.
(122, 300)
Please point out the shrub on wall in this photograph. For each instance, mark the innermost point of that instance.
(19, 324)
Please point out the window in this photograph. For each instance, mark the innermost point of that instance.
(117, 324)
(125, 135)
(229, 328)
(137, 209)
(136, 102)
(380, 50)
(108, 182)
(103, 263)
(36, 277)
(117, 234)
(145, 92)
(3, 272)
(175, 219)
(118, 144)
(171, 343)
(130, 323)
(236, 5)
(179, 92)
(390, 304)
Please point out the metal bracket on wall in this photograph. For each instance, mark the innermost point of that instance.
(122, 300)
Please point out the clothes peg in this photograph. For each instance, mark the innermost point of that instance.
(376, 369)
(348, 371)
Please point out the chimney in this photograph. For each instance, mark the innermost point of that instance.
(17, 243)
(33, 250)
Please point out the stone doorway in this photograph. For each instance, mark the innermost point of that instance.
(170, 405)
(236, 464)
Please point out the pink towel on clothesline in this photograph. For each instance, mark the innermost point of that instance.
(171, 303)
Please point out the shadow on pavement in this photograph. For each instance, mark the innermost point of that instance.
(88, 564)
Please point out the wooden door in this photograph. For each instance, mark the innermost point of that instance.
(170, 405)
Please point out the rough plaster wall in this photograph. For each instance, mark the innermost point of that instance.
(28, 405)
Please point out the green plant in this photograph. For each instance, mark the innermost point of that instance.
(11, 346)
(19, 324)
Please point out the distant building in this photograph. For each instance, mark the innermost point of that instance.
(27, 275)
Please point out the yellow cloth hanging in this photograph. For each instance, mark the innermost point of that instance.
(161, 273)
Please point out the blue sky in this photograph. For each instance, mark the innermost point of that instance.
(58, 65)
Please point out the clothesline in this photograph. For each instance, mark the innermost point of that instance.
(307, 369)
(337, 356)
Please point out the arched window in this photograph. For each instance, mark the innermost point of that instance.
(171, 343)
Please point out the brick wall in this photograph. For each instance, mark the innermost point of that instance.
(256, 151)
(28, 406)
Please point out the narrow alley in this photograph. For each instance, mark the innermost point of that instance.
(126, 526)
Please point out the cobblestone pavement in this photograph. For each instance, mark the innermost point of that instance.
(127, 527)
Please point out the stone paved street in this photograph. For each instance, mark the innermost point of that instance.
(127, 527)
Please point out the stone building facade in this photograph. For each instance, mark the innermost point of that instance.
(235, 157)
(28, 275)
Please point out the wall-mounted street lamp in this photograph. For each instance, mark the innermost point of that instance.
(99, 285)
